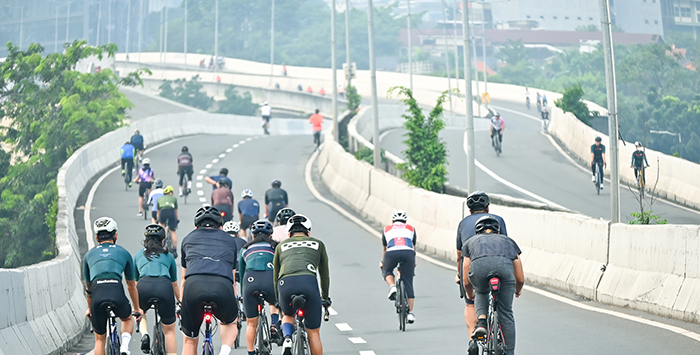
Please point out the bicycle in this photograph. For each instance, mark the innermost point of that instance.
(300, 340)
(185, 189)
(158, 340)
(641, 180)
(113, 342)
(493, 343)
(496, 142)
(401, 301)
(209, 330)
(138, 157)
(527, 102)
(263, 338)
(598, 176)
(145, 206)
(241, 319)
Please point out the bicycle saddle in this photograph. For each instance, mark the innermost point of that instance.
(259, 293)
(152, 302)
(108, 305)
(298, 301)
(494, 282)
(208, 305)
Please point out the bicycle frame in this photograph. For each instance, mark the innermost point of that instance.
(494, 342)
(401, 302)
(263, 344)
(158, 342)
(208, 346)
(113, 340)
(598, 176)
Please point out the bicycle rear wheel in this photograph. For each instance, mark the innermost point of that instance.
(158, 347)
(185, 190)
(262, 338)
(144, 206)
(298, 342)
(402, 304)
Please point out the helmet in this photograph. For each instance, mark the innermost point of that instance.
(247, 193)
(637, 144)
(598, 139)
(232, 227)
(283, 215)
(261, 226)
(105, 224)
(207, 213)
(497, 114)
(487, 222)
(159, 184)
(184, 148)
(478, 200)
(276, 183)
(154, 230)
(136, 131)
(224, 183)
(223, 172)
(146, 161)
(265, 103)
(168, 189)
(298, 222)
(399, 215)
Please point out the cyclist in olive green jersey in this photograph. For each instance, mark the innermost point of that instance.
(298, 260)
(166, 206)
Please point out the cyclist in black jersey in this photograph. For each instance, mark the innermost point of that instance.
(184, 167)
(597, 157)
(639, 160)
(275, 200)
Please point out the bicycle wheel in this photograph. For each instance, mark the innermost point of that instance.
(493, 345)
(158, 340)
(168, 240)
(208, 349)
(237, 342)
(144, 205)
(263, 346)
(598, 179)
(185, 190)
(402, 303)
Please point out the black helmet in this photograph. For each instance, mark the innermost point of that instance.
(223, 172)
(478, 200)
(283, 215)
(154, 230)
(159, 184)
(276, 183)
(207, 213)
(184, 148)
(261, 226)
(487, 222)
(598, 139)
(224, 183)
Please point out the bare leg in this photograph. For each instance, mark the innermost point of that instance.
(170, 340)
(228, 334)
(250, 332)
(315, 341)
(470, 317)
(100, 342)
(390, 280)
(189, 345)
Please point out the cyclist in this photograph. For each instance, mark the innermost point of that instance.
(144, 177)
(527, 98)
(214, 179)
(137, 141)
(639, 160)
(208, 267)
(156, 273)
(255, 265)
(168, 216)
(486, 254)
(399, 241)
(544, 100)
(222, 199)
(598, 158)
(266, 112)
(316, 121)
(539, 101)
(248, 211)
(232, 228)
(478, 204)
(275, 199)
(153, 199)
(127, 154)
(498, 125)
(279, 233)
(184, 167)
(545, 114)
(103, 266)
(298, 262)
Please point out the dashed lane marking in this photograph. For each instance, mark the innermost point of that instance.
(202, 199)
(357, 340)
(199, 185)
(203, 171)
(367, 352)
(229, 150)
(235, 145)
(200, 177)
(332, 311)
(343, 327)
(215, 161)
(208, 166)
(200, 193)
(249, 138)
(222, 155)
(241, 142)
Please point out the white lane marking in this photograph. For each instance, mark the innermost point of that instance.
(241, 142)
(200, 193)
(367, 352)
(357, 340)
(199, 185)
(229, 150)
(235, 145)
(200, 177)
(215, 161)
(208, 166)
(534, 118)
(365, 226)
(249, 139)
(222, 155)
(202, 199)
(332, 311)
(343, 327)
(203, 171)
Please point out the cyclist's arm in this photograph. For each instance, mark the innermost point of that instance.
(182, 284)
(519, 275)
(241, 267)
(276, 267)
(286, 199)
(176, 214)
(134, 294)
(210, 180)
(86, 276)
(468, 288)
(173, 277)
(605, 162)
(323, 272)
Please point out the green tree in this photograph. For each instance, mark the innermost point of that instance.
(188, 92)
(587, 28)
(425, 151)
(237, 104)
(513, 52)
(571, 102)
(353, 97)
(52, 111)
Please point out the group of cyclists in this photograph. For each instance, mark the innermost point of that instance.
(598, 160)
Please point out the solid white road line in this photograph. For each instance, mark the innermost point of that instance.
(343, 327)
(357, 340)
(361, 223)
(534, 118)
(367, 352)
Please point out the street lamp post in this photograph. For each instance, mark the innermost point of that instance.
(347, 40)
(471, 164)
(410, 47)
(447, 53)
(680, 141)
(373, 84)
(140, 27)
(185, 39)
(335, 79)
(216, 29)
(128, 28)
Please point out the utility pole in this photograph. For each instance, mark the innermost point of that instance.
(373, 77)
(109, 21)
(347, 40)
(471, 166)
(128, 28)
(140, 27)
(476, 75)
(611, 89)
(272, 41)
(454, 41)
(165, 36)
(68, 20)
(55, 33)
(216, 29)
(99, 22)
(21, 27)
(160, 36)
(483, 44)
(185, 39)
(447, 53)
(410, 47)
(336, 133)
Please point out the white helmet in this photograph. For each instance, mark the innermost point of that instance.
(105, 224)
(146, 161)
(399, 215)
(637, 144)
(231, 227)
(265, 103)
(298, 220)
(247, 193)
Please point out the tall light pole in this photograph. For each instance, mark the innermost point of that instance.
(140, 27)
(447, 53)
(476, 75)
(373, 84)
(680, 142)
(347, 40)
(483, 44)
(272, 40)
(454, 41)
(109, 21)
(410, 47)
(55, 34)
(21, 28)
(336, 133)
(165, 36)
(68, 20)
(128, 28)
(99, 22)
(160, 35)
(611, 89)
(471, 166)
(216, 29)
(185, 38)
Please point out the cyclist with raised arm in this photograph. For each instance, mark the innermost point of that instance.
(156, 273)
(153, 199)
(209, 257)
(184, 167)
(299, 262)
(168, 216)
(598, 158)
(266, 112)
(248, 210)
(214, 179)
(399, 242)
(478, 203)
(639, 161)
(127, 162)
(255, 265)
(222, 199)
(145, 178)
(137, 141)
(275, 199)
(486, 255)
(279, 233)
(103, 267)
(498, 125)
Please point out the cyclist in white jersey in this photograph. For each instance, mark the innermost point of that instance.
(399, 240)
(498, 125)
(266, 112)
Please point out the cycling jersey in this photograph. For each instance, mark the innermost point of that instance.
(302, 255)
(160, 265)
(483, 245)
(108, 261)
(466, 230)
(218, 178)
(137, 140)
(249, 207)
(266, 110)
(280, 234)
(146, 174)
(639, 159)
(316, 121)
(276, 199)
(127, 151)
(184, 159)
(399, 236)
(222, 196)
(598, 151)
(498, 123)
(257, 257)
(167, 202)
(209, 251)
(153, 198)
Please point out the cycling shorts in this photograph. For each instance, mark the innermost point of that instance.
(182, 170)
(201, 289)
(137, 146)
(266, 118)
(143, 187)
(154, 214)
(226, 212)
(306, 285)
(168, 218)
(160, 288)
(407, 258)
(247, 221)
(107, 291)
(257, 281)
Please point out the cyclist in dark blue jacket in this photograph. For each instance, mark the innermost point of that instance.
(127, 154)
